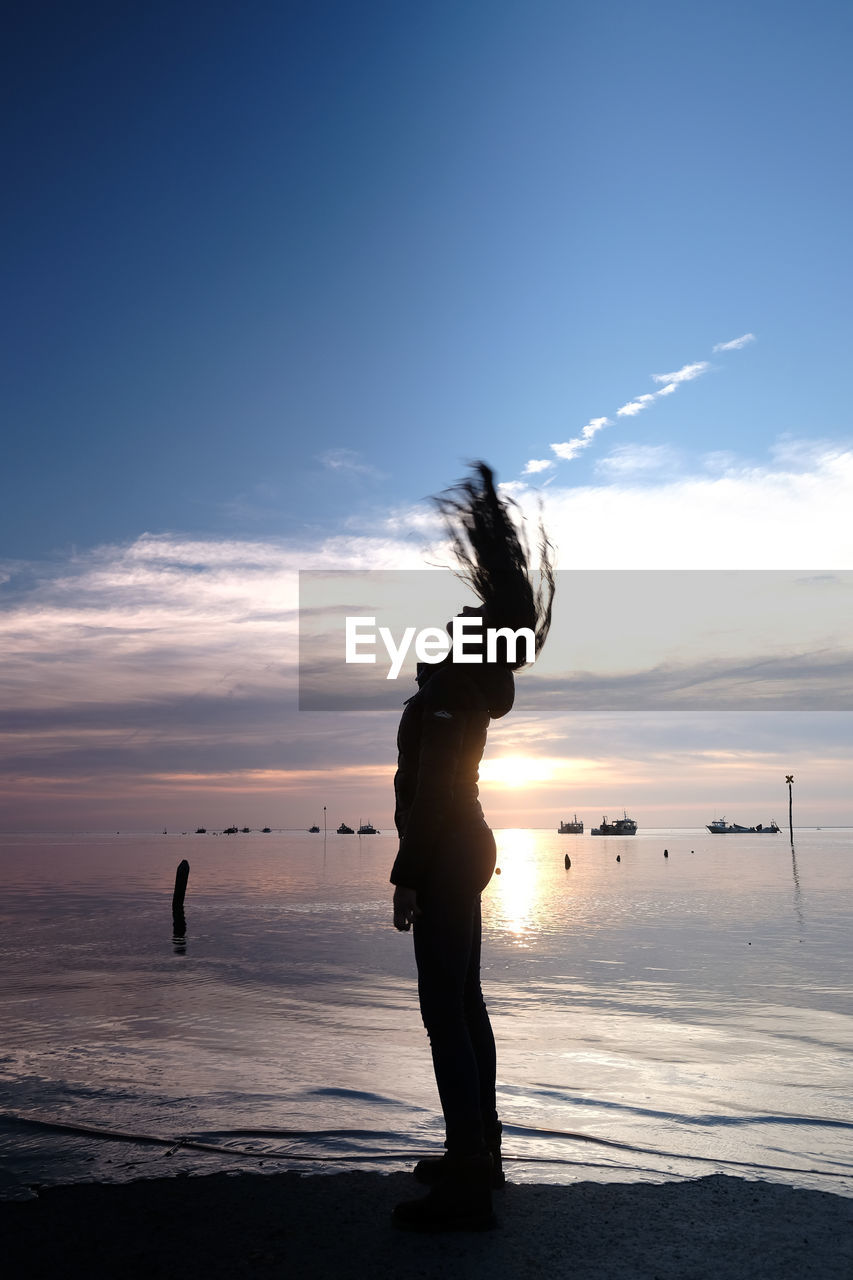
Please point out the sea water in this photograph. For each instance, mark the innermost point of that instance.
(656, 1016)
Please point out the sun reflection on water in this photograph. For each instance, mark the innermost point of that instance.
(514, 892)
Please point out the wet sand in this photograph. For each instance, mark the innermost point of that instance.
(338, 1225)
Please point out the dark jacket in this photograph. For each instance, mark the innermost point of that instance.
(440, 743)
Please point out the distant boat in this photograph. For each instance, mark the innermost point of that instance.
(201, 831)
(266, 830)
(623, 826)
(230, 831)
(313, 830)
(573, 828)
(367, 829)
(245, 830)
(344, 830)
(719, 827)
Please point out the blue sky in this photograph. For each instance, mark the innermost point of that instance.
(244, 236)
(274, 271)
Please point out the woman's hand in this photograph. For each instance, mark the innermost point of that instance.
(405, 908)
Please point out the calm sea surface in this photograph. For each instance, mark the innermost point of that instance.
(655, 1017)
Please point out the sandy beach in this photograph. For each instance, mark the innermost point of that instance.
(338, 1225)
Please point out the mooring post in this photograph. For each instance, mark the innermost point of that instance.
(179, 923)
(789, 778)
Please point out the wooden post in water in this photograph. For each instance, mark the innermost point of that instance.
(789, 778)
(179, 923)
(324, 819)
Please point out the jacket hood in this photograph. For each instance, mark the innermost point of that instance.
(497, 683)
(494, 681)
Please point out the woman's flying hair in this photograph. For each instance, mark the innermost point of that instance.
(494, 556)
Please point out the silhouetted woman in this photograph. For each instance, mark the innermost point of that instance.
(447, 852)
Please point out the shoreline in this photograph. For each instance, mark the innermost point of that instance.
(216, 1225)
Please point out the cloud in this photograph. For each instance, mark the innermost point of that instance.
(419, 519)
(536, 465)
(736, 343)
(634, 406)
(797, 682)
(639, 459)
(348, 462)
(719, 460)
(512, 488)
(795, 453)
(167, 667)
(685, 374)
(137, 673)
(570, 448)
(788, 512)
(668, 382)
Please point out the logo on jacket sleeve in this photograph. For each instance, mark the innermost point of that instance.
(442, 715)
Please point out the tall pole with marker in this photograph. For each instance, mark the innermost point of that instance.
(789, 778)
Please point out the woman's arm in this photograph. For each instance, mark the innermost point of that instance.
(442, 733)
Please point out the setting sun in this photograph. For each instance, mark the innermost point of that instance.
(516, 771)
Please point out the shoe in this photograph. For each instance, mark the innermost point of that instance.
(432, 1169)
(461, 1200)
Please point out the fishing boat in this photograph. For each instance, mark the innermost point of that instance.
(230, 831)
(623, 826)
(573, 828)
(266, 830)
(367, 829)
(312, 831)
(719, 827)
(344, 830)
(201, 831)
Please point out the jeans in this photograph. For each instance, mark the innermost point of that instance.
(447, 951)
